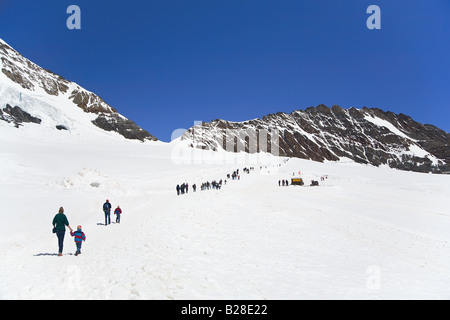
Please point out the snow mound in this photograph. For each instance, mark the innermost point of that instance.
(92, 180)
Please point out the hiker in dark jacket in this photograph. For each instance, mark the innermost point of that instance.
(59, 227)
(107, 210)
(118, 213)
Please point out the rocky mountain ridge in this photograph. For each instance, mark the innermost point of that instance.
(39, 82)
(368, 135)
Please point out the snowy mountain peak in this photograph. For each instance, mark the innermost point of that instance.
(367, 135)
(49, 97)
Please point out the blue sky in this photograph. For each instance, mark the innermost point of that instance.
(167, 63)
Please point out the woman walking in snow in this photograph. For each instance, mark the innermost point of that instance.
(59, 227)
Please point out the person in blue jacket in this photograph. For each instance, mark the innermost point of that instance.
(107, 210)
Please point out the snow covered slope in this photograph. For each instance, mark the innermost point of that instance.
(369, 136)
(26, 88)
(364, 233)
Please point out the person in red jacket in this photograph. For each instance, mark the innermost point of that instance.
(118, 212)
(79, 238)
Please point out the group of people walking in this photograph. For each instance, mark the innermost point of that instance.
(184, 188)
(107, 210)
(214, 185)
(60, 222)
(283, 183)
(235, 175)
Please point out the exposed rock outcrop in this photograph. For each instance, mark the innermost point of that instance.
(33, 78)
(367, 135)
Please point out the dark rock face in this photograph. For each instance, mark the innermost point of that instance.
(90, 102)
(123, 126)
(61, 127)
(30, 75)
(369, 136)
(17, 116)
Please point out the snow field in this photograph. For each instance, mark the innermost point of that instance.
(365, 233)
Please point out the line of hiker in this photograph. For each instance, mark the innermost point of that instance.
(213, 185)
(184, 187)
